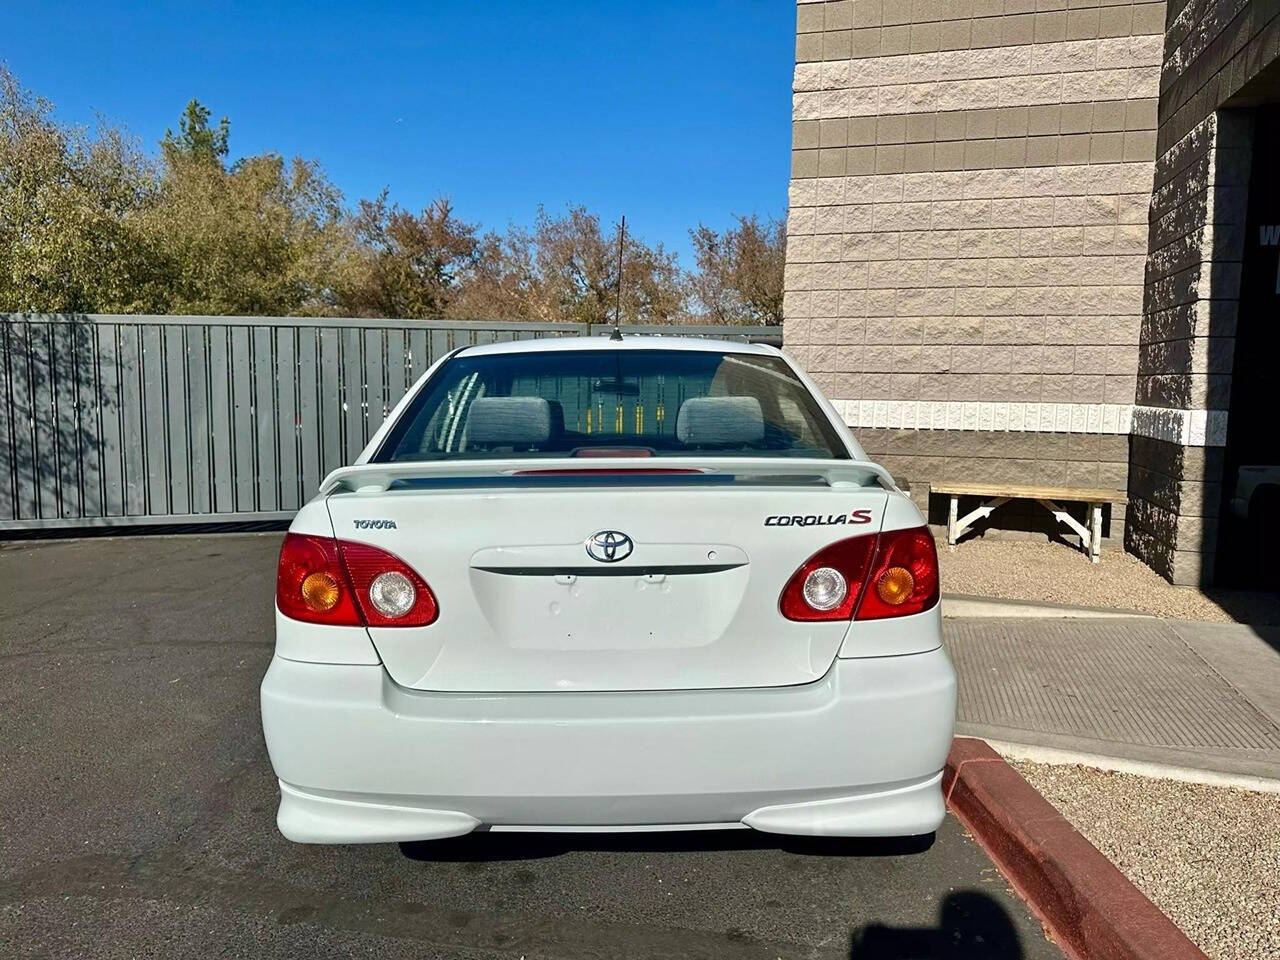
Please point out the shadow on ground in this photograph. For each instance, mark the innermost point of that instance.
(499, 847)
(1259, 609)
(970, 925)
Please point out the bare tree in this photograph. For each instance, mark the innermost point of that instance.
(408, 265)
(739, 276)
(576, 268)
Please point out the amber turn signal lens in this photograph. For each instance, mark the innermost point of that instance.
(320, 591)
(895, 585)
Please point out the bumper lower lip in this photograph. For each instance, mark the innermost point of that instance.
(857, 753)
(914, 808)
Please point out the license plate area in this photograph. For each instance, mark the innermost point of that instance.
(568, 611)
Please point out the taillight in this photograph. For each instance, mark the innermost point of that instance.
(828, 584)
(866, 578)
(339, 583)
(904, 578)
(311, 584)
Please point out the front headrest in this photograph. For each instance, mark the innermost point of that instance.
(726, 421)
(509, 421)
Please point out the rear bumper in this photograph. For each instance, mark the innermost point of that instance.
(858, 753)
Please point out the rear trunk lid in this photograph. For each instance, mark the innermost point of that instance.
(551, 577)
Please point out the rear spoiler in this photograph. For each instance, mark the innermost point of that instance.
(380, 477)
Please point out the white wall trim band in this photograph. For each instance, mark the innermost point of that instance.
(1189, 428)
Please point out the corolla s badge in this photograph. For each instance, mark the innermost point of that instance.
(609, 546)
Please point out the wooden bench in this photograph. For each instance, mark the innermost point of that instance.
(997, 494)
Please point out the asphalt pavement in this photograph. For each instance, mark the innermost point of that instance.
(137, 812)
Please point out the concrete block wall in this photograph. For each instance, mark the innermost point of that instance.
(1185, 357)
(968, 229)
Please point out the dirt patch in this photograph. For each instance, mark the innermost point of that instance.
(1054, 573)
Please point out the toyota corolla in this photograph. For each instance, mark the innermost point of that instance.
(601, 585)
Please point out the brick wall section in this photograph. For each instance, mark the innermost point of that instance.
(970, 189)
(1068, 459)
(1213, 50)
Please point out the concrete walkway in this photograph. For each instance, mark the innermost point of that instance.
(1178, 693)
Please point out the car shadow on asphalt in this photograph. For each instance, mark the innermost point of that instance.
(970, 925)
(495, 847)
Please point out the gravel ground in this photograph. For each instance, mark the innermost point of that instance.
(1209, 857)
(1054, 573)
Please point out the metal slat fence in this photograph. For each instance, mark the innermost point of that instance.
(121, 420)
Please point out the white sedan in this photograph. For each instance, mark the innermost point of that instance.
(590, 585)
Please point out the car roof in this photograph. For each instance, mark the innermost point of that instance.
(661, 342)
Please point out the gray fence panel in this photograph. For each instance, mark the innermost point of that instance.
(329, 400)
(196, 360)
(374, 379)
(351, 371)
(8, 476)
(263, 410)
(424, 346)
(88, 426)
(66, 476)
(243, 435)
(133, 466)
(287, 471)
(24, 420)
(224, 498)
(309, 410)
(110, 435)
(155, 422)
(177, 393)
(111, 420)
(44, 384)
(398, 370)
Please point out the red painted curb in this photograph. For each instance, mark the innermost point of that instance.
(1089, 906)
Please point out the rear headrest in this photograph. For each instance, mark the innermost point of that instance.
(509, 421)
(731, 421)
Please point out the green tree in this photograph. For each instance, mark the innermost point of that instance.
(69, 211)
(267, 236)
(88, 223)
(196, 140)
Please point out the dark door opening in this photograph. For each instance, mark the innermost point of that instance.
(1249, 521)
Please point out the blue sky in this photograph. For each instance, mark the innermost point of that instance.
(671, 112)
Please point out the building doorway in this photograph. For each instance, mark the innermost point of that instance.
(1248, 553)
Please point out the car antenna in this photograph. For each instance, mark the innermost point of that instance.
(617, 313)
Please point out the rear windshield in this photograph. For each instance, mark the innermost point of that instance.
(565, 403)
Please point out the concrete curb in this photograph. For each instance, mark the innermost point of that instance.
(961, 606)
(1089, 907)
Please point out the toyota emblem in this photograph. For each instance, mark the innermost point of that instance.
(609, 546)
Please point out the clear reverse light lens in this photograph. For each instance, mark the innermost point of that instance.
(825, 588)
(392, 594)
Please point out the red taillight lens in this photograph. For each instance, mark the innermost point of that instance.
(904, 578)
(366, 565)
(846, 559)
(322, 580)
(311, 584)
(866, 578)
